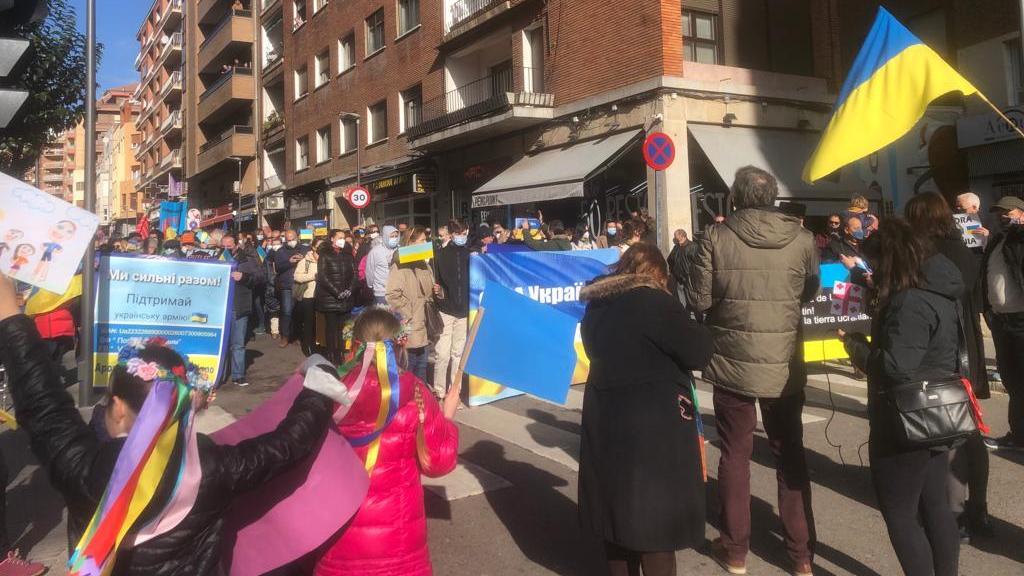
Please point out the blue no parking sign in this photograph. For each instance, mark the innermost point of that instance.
(659, 151)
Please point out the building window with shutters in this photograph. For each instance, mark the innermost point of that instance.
(701, 42)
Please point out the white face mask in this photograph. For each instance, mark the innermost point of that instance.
(293, 243)
(340, 242)
(374, 235)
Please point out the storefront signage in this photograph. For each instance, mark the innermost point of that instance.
(424, 183)
(988, 128)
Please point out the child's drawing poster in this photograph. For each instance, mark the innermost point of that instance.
(42, 237)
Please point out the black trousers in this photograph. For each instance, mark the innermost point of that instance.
(1008, 337)
(308, 315)
(333, 323)
(5, 544)
(911, 491)
(625, 562)
(968, 474)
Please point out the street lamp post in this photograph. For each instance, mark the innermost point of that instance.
(86, 380)
(238, 213)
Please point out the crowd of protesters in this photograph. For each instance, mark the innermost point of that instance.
(727, 303)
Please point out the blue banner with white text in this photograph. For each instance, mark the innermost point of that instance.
(552, 278)
(186, 302)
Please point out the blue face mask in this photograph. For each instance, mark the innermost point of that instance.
(858, 234)
(613, 231)
(460, 240)
(392, 243)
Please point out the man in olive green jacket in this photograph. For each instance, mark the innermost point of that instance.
(751, 275)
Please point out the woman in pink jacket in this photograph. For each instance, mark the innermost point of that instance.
(413, 436)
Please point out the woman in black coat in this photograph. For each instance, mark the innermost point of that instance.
(80, 465)
(335, 283)
(914, 337)
(929, 214)
(641, 479)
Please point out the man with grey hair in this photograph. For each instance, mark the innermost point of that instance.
(969, 203)
(750, 275)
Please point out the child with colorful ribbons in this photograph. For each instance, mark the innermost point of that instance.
(158, 491)
(398, 429)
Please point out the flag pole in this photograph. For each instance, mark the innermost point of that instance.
(1001, 115)
(470, 339)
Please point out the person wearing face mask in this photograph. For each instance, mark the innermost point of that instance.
(451, 292)
(1003, 289)
(335, 282)
(581, 238)
(248, 273)
(378, 264)
(609, 236)
(847, 251)
(410, 287)
(285, 260)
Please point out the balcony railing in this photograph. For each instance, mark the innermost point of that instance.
(173, 81)
(172, 159)
(224, 22)
(223, 79)
(173, 7)
(463, 10)
(173, 44)
(224, 136)
(482, 97)
(173, 120)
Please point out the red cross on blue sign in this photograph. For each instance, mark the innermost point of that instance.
(659, 150)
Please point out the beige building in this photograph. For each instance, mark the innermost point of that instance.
(125, 199)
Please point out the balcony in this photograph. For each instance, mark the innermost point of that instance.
(495, 104)
(171, 17)
(171, 124)
(211, 11)
(464, 15)
(53, 177)
(53, 165)
(170, 51)
(233, 36)
(53, 152)
(236, 142)
(273, 128)
(170, 161)
(230, 92)
(171, 90)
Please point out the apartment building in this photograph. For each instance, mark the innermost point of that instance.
(126, 201)
(219, 96)
(48, 172)
(160, 63)
(487, 109)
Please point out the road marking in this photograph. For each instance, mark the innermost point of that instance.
(546, 441)
(466, 480)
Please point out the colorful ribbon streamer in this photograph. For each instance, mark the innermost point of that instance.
(390, 399)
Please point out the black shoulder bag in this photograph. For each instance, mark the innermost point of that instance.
(936, 413)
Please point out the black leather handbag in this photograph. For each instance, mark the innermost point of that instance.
(935, 413)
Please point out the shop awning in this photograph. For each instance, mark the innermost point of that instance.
(552, 174)
(783, 153)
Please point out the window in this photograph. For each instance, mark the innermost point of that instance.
(377, 128)
(301, 88)
(346, 52)
(408, 15)
(1014, 81)
(299, 14)
(323, 67)
(375, 32)
(700, 37)
(348, 135)
(412, 105)
(318, 5)
(323, 144)
(302, 153)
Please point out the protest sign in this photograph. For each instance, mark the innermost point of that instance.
(42, 238)
(306, 234)
(309, 502)
(551, 278)
(186, 302)
(319, 227)
(839, 304)
(970, 227)
(534, 223)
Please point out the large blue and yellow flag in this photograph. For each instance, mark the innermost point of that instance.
(890, 85)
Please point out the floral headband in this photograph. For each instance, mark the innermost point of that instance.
(128, 357)
(401, 339)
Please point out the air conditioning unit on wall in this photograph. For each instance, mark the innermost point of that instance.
(273, 203)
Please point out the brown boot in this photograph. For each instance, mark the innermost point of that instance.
(720, 555)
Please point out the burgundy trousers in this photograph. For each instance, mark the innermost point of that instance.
(736, 419)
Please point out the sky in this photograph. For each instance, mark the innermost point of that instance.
(117, 21)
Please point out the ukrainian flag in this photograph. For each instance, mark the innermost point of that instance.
(890, 85)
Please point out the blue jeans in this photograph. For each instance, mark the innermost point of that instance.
(238, 332)
(287, 303)
(259, 307)
(418, 362)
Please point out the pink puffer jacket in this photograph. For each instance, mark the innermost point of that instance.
(388, 535)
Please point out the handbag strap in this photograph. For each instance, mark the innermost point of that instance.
(963, 363)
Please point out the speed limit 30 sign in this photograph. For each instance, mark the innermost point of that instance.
(358, 198)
